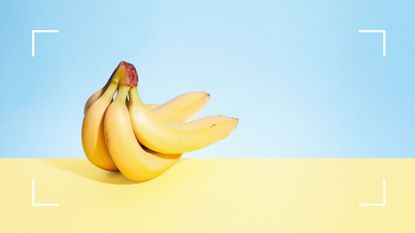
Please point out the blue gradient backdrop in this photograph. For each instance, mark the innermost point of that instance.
(300, 77)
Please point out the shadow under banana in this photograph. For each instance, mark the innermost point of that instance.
(85, 169)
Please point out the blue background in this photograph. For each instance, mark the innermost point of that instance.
(300, 77)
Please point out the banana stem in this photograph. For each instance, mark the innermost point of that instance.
(134, 97)
(109, 92)
(128, 74)
(122, 93)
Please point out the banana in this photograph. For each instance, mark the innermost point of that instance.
(167, 138)
(93, 140)
(182, 107)
(131, 159)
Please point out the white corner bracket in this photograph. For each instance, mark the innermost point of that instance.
(34, 198)
(34, 37)
(383, 32)
(383, 203)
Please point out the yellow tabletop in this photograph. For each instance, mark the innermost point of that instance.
(211, 195)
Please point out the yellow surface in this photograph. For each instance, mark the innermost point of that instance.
(211, 195)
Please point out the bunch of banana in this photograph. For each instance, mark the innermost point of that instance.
(120, 132)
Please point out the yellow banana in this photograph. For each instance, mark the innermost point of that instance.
(182, 107)
(167, 138)
(131, 159)
(93, 140)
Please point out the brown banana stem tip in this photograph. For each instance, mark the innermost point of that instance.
(131, 75)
